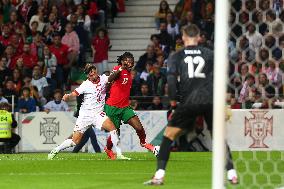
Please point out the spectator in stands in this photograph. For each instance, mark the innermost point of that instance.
(26, 103)
(2, 99)
(149, 55)
(172, 25)
(52, 27)
(61, 52)
(203, 41)
(83, 37)
(254, 37)
(144, 75)
(157, 81)
(40, 82)
(247, 89)
(258, 19)
(9, 91)
(71, 39)
(162, 63)
(37, 46)
(40, 100)
(83, 17)
(17, 43)
(244, 71)
(263, 54)
(97, 16)
(39, 18)
(46, 4)
(27, 9)
(263, 87)
(166, 39)
(162, 12)
(49, 68)
(100, 47)
(156, 104)
(8, 123)
(10, 55)
(158, 48)
(26, 34)
(17, 79)
(4, 71)
(256, 68)
(5, 35)
(14, 25)
(188, 19)
(144, 97)
(6, 8)
(179, 43)
(134, 90)
(57, 104)
(234, 103)
(273, 74)
(65, 7)
(27, 81)
(27, 59)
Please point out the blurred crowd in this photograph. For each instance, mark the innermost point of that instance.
(150, 88)
(44, 43)
(256, 54)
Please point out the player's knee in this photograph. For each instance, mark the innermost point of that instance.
(172, 132)
(76, 140)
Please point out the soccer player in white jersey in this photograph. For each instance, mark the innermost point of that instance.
(91, 111)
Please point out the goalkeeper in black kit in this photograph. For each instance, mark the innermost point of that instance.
(194, 65)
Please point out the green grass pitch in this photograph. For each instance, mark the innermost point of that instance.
(90, 171)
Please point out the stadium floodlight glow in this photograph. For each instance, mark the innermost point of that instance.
(220, 82)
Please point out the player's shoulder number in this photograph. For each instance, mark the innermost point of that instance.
(198, 71)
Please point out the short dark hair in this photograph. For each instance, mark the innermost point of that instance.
(124, 56)
(88, 68)
(191, 30)
(57, 91)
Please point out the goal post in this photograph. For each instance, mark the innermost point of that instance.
(220, 83)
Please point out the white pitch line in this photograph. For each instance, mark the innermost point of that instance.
(46, 174)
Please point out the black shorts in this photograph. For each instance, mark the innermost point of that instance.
(185, 115)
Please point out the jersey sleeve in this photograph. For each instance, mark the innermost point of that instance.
(81, 89)
(115, 68)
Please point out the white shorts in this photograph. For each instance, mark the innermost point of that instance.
(87, 119)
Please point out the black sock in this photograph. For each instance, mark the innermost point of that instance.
(164, 153)
(229, 159)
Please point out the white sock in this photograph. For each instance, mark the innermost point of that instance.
(65, 144)
(231, 174)
(160, 174)
(115, 140)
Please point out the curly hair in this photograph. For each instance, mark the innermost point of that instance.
(124, 56)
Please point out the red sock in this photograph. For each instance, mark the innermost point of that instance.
(142, 136)
(109, 143)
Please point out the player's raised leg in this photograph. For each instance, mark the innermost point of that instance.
(66, 144)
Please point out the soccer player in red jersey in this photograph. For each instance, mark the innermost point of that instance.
(117, 106)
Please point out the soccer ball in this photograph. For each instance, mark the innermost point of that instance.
(156, 150)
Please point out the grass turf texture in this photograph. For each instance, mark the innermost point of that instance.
(86, 171)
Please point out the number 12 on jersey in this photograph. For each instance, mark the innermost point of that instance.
(197, 73)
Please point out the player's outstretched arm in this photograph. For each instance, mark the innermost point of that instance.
(67, 96)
